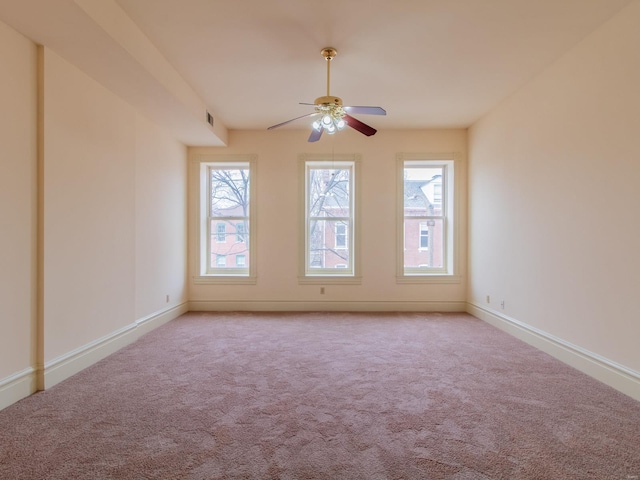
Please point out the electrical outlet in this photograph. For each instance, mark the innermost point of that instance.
(488, 298)
(502, 304)
(168, 298)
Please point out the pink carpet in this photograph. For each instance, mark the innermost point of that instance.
(324, 396)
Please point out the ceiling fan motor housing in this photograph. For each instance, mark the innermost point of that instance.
(328, 100)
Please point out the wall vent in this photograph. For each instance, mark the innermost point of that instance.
(210, 119)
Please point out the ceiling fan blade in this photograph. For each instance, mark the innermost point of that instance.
(292, 120)
(366, 110)
(315, 135)
(359, 126)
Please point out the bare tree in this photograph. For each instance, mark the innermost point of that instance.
(230, 202)
(328, 198)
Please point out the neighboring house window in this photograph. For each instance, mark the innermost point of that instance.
(341, 236)
(240, 228)
(226, 193)
(425, 213)
(437, 193)
(221, 232)
(424, 236)
(330, 219)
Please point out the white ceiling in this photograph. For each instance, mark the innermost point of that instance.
(429, 63)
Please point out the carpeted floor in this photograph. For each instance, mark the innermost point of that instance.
(324, 396)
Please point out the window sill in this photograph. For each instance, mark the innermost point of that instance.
(329, 280)
(224, 280)
(415, 279)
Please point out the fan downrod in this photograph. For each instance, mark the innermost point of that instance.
(329, 53)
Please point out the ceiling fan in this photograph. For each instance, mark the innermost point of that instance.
(333, 116)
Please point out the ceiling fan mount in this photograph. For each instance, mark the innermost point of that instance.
(329, 53)
(333, 114)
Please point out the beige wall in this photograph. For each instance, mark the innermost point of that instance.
(161, 220)
(553, 183)
(18, 160)
(89, 209)
(279, 200)
(113, 211)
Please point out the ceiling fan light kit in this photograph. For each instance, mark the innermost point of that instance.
(333, 115)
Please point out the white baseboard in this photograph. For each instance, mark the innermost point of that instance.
(18, 386)
(73, 362)
(326, 306)
(608, 372)
(155, 320)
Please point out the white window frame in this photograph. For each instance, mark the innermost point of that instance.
(448, 273)
(203, 273)
(350, 274)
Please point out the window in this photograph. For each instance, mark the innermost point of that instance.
(226, 211)
(437, 193)
(424, 236)
(221, 233)
(425, 218)
(341, 236)
(240, 232)
(329, 220)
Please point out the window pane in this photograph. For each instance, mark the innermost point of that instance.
(329, 193)
(229, 192)
(423, 191)
(323, 251)
(229, 250)
(423, 243)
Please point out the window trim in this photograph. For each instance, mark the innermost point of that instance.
(330, 276)
(449, 272)
(200, 164)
